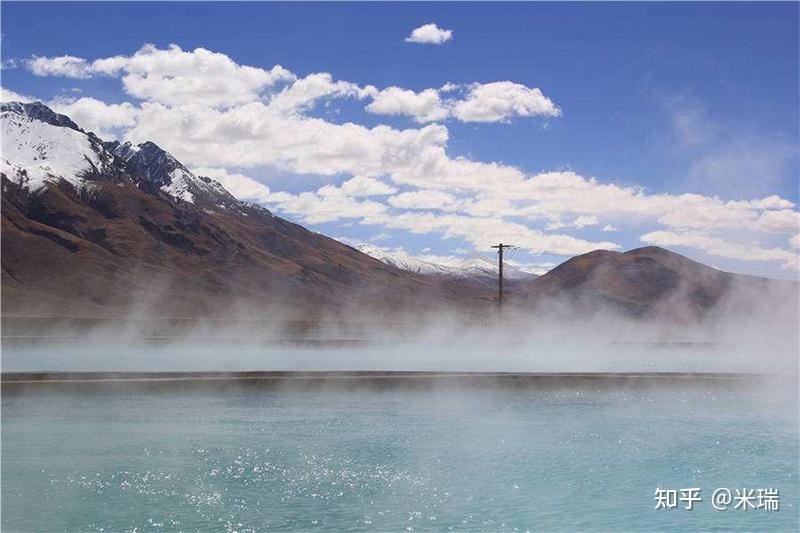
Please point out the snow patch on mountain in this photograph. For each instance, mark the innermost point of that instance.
(40, 146)
(149, 162)
(35, 152)
(473, 266)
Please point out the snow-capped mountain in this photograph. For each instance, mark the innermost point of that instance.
(473, 266)
(96, 228)
(150, 164)
(39, 145)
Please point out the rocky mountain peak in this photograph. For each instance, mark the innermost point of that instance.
(41, 146)
(147, 161)
(39, 111)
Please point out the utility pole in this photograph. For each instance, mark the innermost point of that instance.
(500, 247)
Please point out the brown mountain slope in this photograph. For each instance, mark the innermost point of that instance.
(109, 229)
(110, 248)
(644, 282)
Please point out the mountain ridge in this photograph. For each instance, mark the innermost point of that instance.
(101, 232)
(103, 227)
(476, 268)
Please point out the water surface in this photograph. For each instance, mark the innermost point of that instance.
(168, 458)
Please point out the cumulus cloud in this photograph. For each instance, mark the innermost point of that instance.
(303, 93)
(429, 34)
(67, 66)
(331, 203)
(75, 67)
(172, 76)
(721, 247)
(240, 186)
(95, 115)
(483, 232)
(327, 205)
(254, 135)
(402, 179)
(423, 199)
(8, 95)
(359, 186)
(175, 77)
(424, 106)
(489, 102)
(580, 222)
(502, 100)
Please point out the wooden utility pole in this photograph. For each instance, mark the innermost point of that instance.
(500, 247)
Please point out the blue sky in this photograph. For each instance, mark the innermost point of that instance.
(658, 99)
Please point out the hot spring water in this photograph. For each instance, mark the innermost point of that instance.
(128, 457)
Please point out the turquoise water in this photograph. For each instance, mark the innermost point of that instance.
(123, 458)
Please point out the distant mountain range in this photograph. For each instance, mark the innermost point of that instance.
(97, 228)
(475, 269)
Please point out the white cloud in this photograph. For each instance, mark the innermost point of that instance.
(429, 34)
(7, 95)
(720, 247)
(303, 93)
(490, 102)
(424, 106)
(580, 222)
(172, 76)
(502, 100)
(109, 66)
(200, 77)
(330, 203)
(261, 118)
(326, 206)
(67, 66)
(256, 134)
(75, 67)
(779, 221)
(483, 232)
(97, 116)
(240, 186)
(772, 202)
(361, 186)
(175, 77)
(423, 199)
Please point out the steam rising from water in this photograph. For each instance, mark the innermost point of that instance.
(746, 332)
(446, 456)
